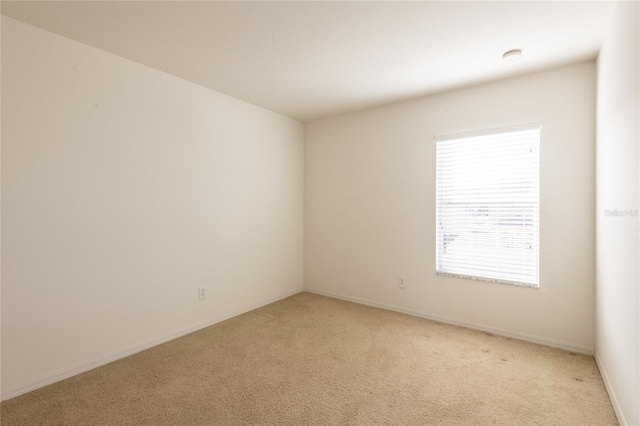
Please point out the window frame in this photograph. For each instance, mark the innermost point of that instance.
(438, 236)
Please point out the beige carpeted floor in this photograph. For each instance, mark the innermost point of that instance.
(312, 360)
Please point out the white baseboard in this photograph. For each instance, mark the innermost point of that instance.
(585, 350)
(64, 373)
(612, 395)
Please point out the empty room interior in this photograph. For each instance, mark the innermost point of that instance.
(320, 212)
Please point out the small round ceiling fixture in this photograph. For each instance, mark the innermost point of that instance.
(512, 54)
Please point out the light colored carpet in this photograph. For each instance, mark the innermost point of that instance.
(312, 360)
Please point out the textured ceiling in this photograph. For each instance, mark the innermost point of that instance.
(311, 59)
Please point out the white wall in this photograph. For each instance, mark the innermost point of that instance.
(618, 237)
(370, 207)
(0, 211)
(125, 189)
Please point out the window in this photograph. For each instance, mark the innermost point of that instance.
(487, 205)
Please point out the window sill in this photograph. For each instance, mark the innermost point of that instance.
(491, 280)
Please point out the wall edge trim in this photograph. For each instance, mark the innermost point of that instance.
(82, 367)
(581, 349)
(612, 395)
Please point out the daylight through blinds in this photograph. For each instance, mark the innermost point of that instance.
(487, 205)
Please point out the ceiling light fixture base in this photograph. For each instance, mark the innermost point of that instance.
(512, 54)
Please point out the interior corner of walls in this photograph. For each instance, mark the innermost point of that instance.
(611, 391)
(189, 187)
(397, 170)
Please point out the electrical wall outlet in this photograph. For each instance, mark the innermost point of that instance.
(402, 281)
(202, 293)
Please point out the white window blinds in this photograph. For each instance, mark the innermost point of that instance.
(487, 205)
